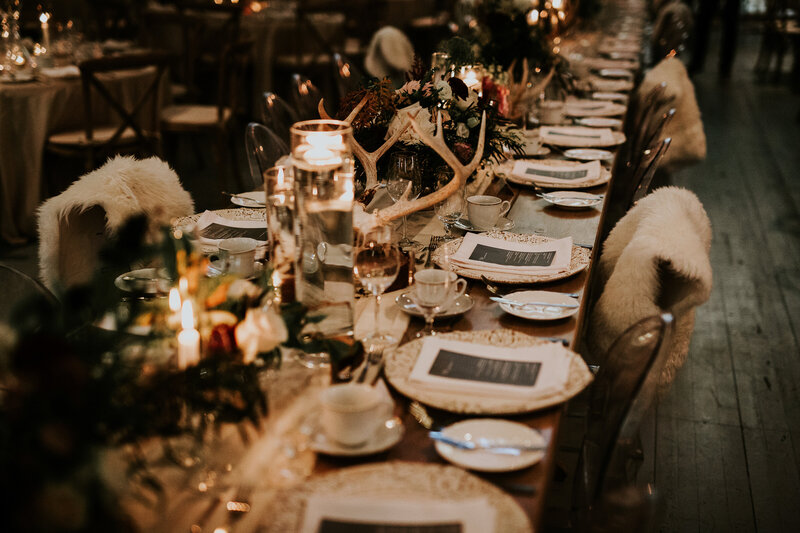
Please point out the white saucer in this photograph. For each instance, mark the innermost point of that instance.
(254, 199)
(535, 149)
(539, 313)
(500, 432)
(144, 281)
(589, 154)
(503, 224)
(572, 199)
(386, 436)
(461, 305)
(600, 122)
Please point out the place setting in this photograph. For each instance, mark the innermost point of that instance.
(512, 258)
(595, 107)
(557, 173)
(580, 136)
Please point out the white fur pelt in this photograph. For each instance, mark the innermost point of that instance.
(390, 53)
(656, 259)
(686, 128)
(75, 224)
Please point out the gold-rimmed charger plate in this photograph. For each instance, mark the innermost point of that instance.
(578, 261)
(395, 479)
(400, 362)
(504, 170)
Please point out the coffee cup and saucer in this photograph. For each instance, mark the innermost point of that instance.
(486, 213)
(354, 419)
(236, 257)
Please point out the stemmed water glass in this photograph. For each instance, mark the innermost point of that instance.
(404, 172)
(433, 290)
(376, 265)
(450, 210)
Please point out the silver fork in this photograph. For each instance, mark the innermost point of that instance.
(436, 241)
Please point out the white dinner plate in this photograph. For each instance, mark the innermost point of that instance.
(609, 96)
(495, 432)
(615, 73)
(542, 313)
(572, 199)
(386, 436)
(255, 199)
(600, 122)
(503, 224)
(461, 305)
(589, 154)
(18, 78)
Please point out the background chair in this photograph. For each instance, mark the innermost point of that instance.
(133, 129)
(655, 260)
(17, 288)
(74, 226)
(217, 120)
(304, 97)
(277, 115)
(623, 390)
(264, 148)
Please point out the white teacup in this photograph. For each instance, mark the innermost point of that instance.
(437, 288)
(484, 211)
(352, 412)
(238, 256)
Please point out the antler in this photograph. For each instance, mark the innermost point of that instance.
(369, 160)
(404, 206)
(519, 92)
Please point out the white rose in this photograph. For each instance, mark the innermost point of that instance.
(423, 120)
(262, 330)
(462, 130)
(241, 288)
(445, 92)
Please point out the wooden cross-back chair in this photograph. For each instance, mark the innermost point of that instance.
(134, 130)
(217, 119)
(623, 390)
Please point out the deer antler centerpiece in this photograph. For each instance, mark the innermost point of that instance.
(520, 94)
(369, 160)
(403, 206)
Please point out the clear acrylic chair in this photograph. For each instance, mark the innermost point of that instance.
(305, 97)
(277, 115)
(264, 148)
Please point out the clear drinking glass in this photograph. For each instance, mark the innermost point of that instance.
(404, 172)
(452, 209)
(433, 291)
(376, 266)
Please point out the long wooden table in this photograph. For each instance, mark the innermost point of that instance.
(530, 215)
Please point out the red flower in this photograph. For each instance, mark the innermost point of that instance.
(496, 93)
(464, 152)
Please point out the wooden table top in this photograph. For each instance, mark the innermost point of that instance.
(530, 215)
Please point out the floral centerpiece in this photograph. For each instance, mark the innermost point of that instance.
(423, 98)
(72, 388)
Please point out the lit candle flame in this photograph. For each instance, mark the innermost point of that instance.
(558, 4)
(183, 285)
(174, 300)
(280, 180)
(44, 17)
(187, 315)
(533, 17)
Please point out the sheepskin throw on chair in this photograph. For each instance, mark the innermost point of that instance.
(655, 260)
(74, 225)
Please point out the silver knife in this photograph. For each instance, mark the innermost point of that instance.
(485, 445)
(516, 303)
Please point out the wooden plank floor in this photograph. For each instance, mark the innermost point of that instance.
(726, 450)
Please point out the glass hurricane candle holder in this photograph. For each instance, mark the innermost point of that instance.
(323, 185)
(280, 206)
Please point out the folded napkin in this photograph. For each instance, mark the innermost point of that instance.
(487, 254)
(212, 228)
(392, 319)
(568, 173)
(576, 136)
(497, 372)
(364, 512)
(599, 63)
(69, 71)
